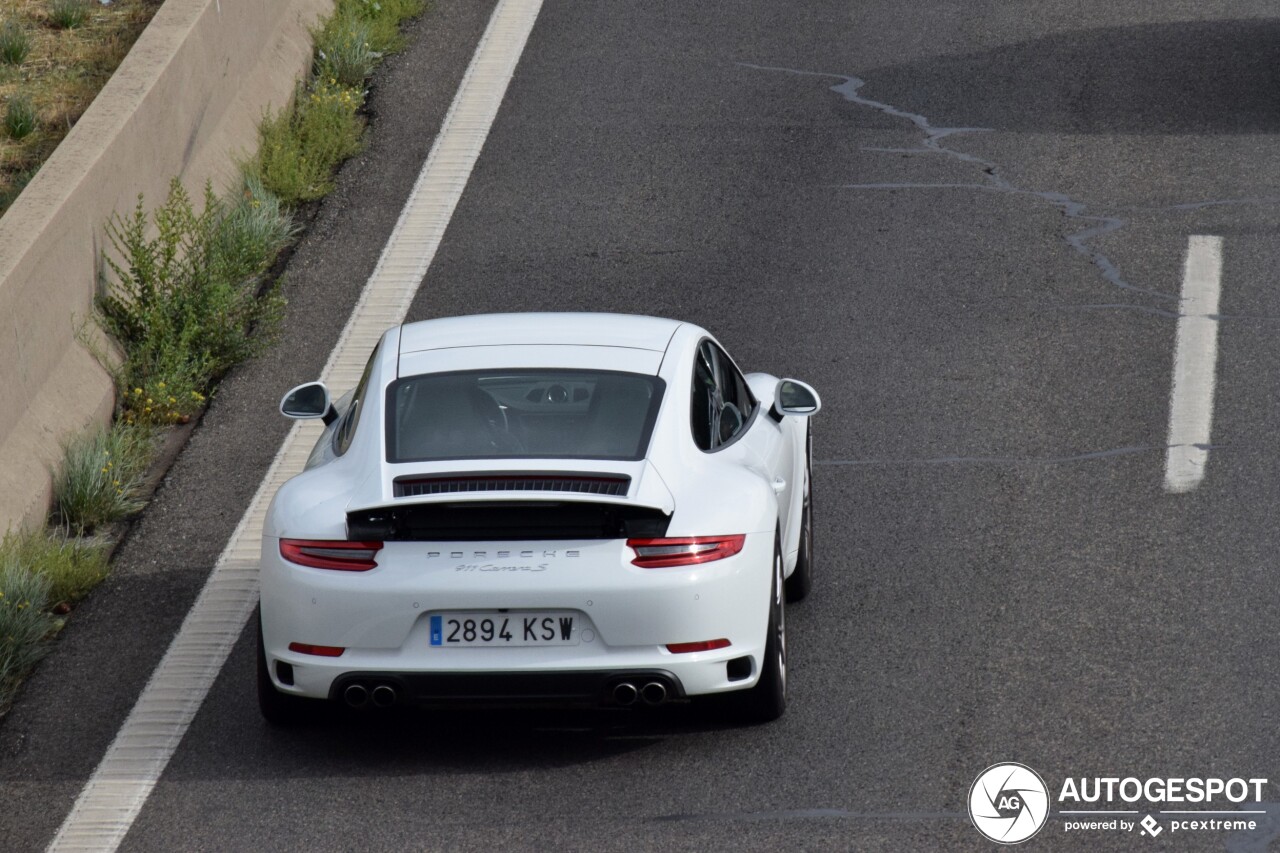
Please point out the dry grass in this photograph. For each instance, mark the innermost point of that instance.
(61, 75)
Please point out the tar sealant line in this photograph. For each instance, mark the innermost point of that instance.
(1195, 361)
(994, 179)
(113, 796)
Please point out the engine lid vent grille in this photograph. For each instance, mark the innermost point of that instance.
(413, 487)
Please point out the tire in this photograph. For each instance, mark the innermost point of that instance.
(801, 579)
(278, 709)
(767, 700)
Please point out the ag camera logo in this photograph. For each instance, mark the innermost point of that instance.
(1008, 802)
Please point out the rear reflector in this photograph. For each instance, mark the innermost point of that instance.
(339, 555)
(684, 550)
(322, 651)
(704, 646)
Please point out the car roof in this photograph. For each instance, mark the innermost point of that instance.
(558, 329)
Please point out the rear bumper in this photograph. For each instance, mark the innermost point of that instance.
(625, 618)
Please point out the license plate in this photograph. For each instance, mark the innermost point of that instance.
(504, 629)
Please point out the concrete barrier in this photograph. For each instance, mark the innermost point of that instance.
(185, 102)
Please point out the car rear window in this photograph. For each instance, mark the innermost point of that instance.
(493, 414)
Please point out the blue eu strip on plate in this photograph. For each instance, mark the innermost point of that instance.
(437, 631)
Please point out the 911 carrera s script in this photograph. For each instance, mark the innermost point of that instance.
(494, 567)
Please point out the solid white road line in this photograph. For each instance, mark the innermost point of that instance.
(132, 765)
(1195, 362)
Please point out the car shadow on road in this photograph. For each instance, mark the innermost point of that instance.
(228, 739)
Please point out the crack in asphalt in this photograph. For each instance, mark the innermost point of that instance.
(1071, 208)
(995, 182)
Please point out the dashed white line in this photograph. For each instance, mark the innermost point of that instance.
(113, 797)
(1195, 362)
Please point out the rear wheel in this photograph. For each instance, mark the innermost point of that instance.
(767, 701)
(278, 709)
(801, 579)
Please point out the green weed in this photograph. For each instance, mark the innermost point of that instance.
(73, 565)
(19, 117)
(342, 51)
(183, 303)
(15, 44)
(25, 625)
(383, 17)
(255, 228)
(299, 149)
(168, 392)
(102, 475)
(68, 14)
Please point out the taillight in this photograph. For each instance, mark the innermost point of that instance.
(704, 646)
(336, 554)
(322, 651)
(684, 550)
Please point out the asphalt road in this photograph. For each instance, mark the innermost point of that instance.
(1001, 575)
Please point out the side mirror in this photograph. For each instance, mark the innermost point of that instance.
(307, 402)
(793, 397)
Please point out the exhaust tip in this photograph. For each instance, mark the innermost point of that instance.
(384, 696)
(356, 695)
(654, 693)
(625, 693)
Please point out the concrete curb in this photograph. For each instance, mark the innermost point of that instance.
(185, 102)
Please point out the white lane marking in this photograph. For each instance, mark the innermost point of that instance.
(109, 803)
(1195, 363)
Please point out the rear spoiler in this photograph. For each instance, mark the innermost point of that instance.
(489, 521)
(430, 504)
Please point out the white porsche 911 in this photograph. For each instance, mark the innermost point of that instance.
(570, 509)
